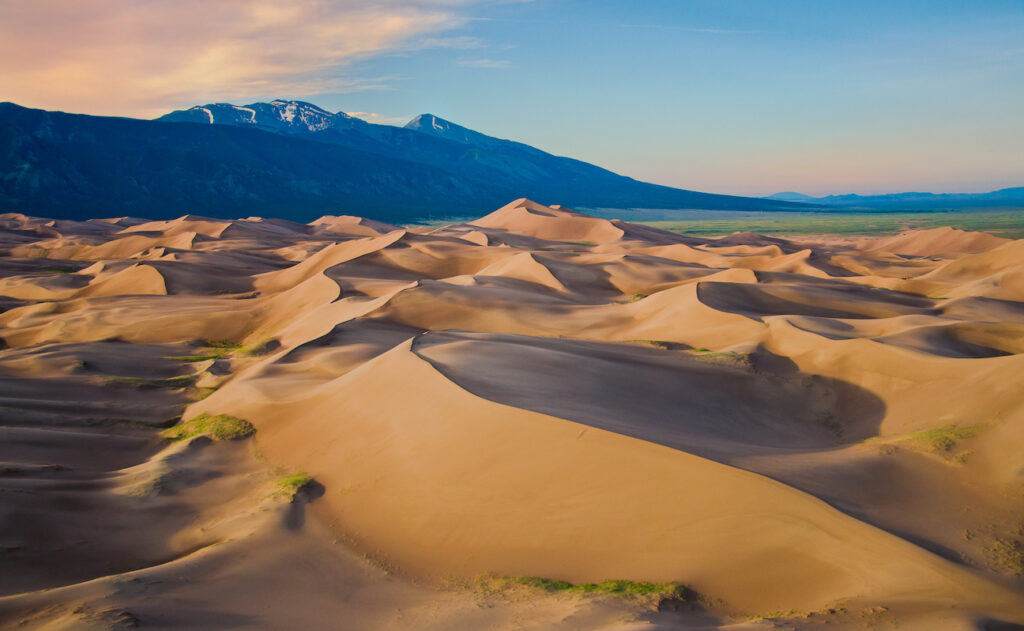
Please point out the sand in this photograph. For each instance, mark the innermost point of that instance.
(805, 433)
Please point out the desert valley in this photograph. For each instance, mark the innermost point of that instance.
(511, 315)
(538, 419)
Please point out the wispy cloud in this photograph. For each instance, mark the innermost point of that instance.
(380, 119)
(484, 63)
(462, 42)
(137, 57)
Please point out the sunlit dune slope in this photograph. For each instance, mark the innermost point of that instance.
(802, 424)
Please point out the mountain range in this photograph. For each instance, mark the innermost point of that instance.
(294, 160)
(1003, 198)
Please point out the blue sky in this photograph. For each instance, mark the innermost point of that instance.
(734, 96)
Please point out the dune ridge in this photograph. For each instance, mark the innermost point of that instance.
(821, 432)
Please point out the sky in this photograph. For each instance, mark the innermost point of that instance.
(747, 97)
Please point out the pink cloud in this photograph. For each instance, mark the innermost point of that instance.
(142, 57)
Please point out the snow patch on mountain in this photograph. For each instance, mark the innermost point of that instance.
(279, 116)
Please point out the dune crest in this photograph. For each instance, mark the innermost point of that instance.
(825, 427)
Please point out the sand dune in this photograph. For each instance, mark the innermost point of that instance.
(347, 225)
(502, 519)
(938, 242)
(553, 224)
(817, 432)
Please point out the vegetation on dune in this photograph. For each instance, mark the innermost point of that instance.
(258, 348)
(171, 383)
(671, 346)
(201, 393)
(220, 349)
(938, 440)
(657, 343)
(225, 346)
(839, 610)
(583, 243)
(636, 297)
(1006, 555)
(192, 358)
(776, 615)
(218, 427)
(622, 588)
(944, 438)
(294, 482)
(722, 358)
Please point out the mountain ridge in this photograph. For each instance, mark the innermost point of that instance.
(1004, 197)
(509, 164)
(74, 166)
(281, 116)
(295, 161)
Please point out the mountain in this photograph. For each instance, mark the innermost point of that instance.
(294, 160)
(281, 117)
(72, 166)
(1007, 197)
(483, 159)
(440, 128)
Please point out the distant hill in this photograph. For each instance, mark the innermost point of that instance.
(790, 196)
(1003, 198)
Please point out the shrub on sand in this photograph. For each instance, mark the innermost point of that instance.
(219, 427)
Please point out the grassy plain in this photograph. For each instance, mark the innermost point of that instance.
(1007, 223)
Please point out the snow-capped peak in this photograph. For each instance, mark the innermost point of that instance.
(301, 105)
(436, 126)
(280, 116)
(429, 121)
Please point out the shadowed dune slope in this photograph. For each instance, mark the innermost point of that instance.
(376, 423)
(538, 478)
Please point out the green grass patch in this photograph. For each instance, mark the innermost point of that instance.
(944, 438)
(672, 590)
(722, 358)
(774, 615)
(217, 349)
(257, 348)
(294, 482)
(1007, 223)
(218, 427)
(227, 345)
(201, 393)
(657, 343)
(193, 358)
(637, 297)
(170, 383)
(225, 348)
(220, 349)
(664, 345)
(61, 270)
(584, 243)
